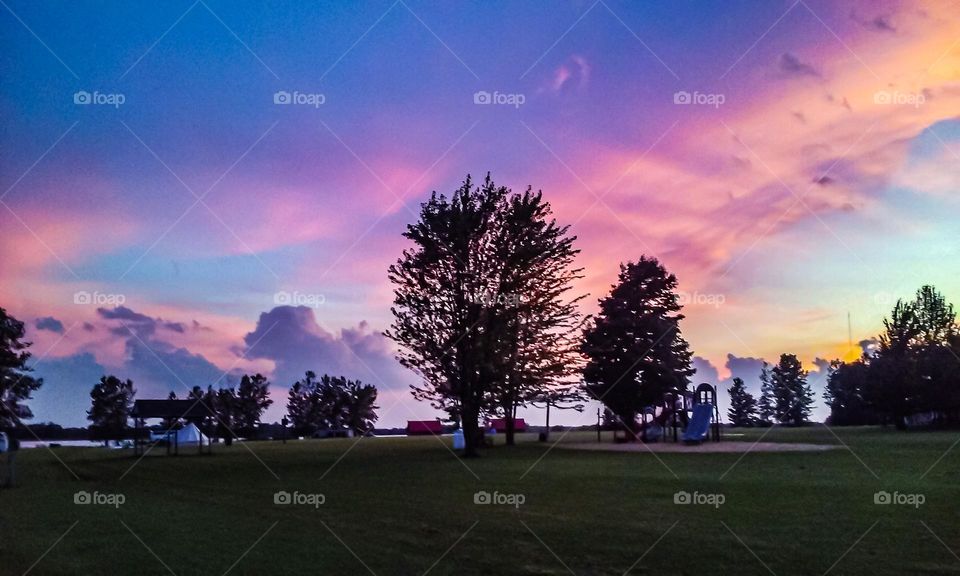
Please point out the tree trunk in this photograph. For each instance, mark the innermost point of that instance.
(546, 435)
(471, 431)
(899, 420)
(511, 425)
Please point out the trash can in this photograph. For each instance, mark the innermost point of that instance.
(458, 443)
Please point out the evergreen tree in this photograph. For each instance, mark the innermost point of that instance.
(765, 410)
(635, 353)
(743, 406)
(792, 396)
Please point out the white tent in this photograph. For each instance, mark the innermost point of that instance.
(190, 435)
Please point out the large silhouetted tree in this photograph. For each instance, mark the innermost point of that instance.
(916, 367)
(111, 401)
(535, 325)
(482, 311)
(361, 406)
(635, 352)
(252, 398)
(792, 396)
(16, 383)
(441, 322)
(302, 403)
(844, 394)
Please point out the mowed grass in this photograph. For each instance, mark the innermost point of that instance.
(406, 506)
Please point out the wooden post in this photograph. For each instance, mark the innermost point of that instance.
(548, 420)
(598, 425)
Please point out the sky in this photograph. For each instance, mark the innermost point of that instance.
(190, 191)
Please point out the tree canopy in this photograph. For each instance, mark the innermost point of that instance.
(914, 370)
(332, 403)
(482, 312)
(111, 401)
(635, 352)
(16, 383)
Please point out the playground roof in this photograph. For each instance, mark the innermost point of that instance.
(170, 409)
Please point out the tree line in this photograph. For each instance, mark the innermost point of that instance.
(331, 403)
(524, 342)
(785, 396)
(485, 314)
(912, 375)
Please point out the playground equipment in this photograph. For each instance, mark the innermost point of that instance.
(695, 412)
(705, 409)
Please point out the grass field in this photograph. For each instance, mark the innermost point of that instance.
(406, 506)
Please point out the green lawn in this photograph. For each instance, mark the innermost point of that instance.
(402, 506)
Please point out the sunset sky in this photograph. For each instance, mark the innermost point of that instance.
(790, 162)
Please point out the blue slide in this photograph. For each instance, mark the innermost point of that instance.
(699, 424)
